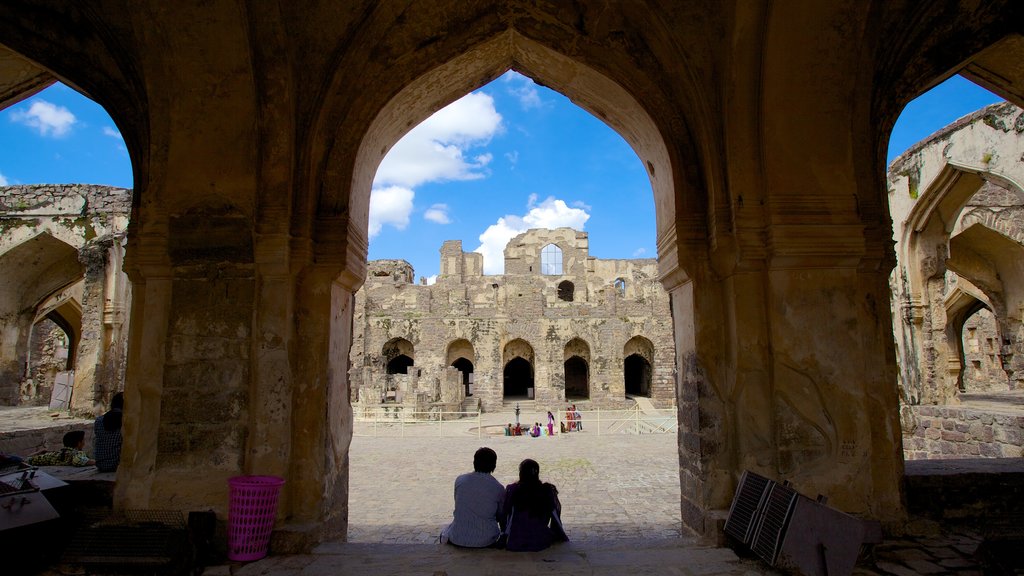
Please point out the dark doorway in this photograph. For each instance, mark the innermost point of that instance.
(399, 364)
(518, 378)
(565, 291)
(577, 380)
(638, 375)
(466, 367)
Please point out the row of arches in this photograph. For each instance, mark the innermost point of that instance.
(518, 365)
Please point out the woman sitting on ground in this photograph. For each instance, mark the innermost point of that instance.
(533, 520)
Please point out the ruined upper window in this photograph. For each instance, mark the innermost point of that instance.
(551, 260)
(620, 287)
(566, 290)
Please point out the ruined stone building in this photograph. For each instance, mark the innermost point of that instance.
(558, 326)
(63, 296)
(957, 292)
(958, 287)
(255, 130)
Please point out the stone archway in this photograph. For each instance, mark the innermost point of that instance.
(771, 227)
(637, 369)
(34, 271)
(576, 366)
(398, 355)
(518, 369)
(461, 356)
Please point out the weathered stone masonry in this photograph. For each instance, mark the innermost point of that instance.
(61, 249)
(572, 329)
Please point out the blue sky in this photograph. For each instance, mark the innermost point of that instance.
(507, 157)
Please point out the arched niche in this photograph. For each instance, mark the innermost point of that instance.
(518, 369)
(398, 355)
(461, 356)
(637, 370)
(33, 271)
(576, 366)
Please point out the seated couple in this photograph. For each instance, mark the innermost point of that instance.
(525, 516)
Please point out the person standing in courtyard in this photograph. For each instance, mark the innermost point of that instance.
(533, 520)
(478, 497)
(577, 418)
(551, 423)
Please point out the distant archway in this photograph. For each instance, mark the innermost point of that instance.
(517, 378)
(461, 355)
(398, 355)
(466, 367)
(577, 379)
(636, 368)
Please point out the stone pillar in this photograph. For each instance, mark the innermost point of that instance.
(321, 413)
(90, 376)
(151, 280)
(787, 372)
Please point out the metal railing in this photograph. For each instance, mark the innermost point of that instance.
(379, 422)
(396, 422)
(629, 421)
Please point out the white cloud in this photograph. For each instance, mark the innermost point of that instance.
(438, 213)
(523, 88)
(512, 157)
(639, 252)
(551, 213)
(391, 205)
(49, 119)
(436, 150)
(112, 132)
(431, 279)
(3, 180)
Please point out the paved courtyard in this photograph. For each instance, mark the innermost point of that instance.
(611, 486)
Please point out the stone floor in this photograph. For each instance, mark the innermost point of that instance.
(620, 496)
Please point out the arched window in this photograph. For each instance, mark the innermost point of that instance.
(551, 260)
(620, 287)
(566, 290)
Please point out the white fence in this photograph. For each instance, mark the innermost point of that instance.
(401, 424)
(380, 422)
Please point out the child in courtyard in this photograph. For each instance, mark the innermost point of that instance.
(70, 455)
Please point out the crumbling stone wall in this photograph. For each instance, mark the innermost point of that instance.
(958, 218)
(519, 313)
(61, 248)
(960, 432)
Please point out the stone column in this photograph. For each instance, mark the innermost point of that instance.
(90, 376)
(320, 411)
(151, 280)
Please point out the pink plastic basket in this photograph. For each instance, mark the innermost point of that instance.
(251, 513)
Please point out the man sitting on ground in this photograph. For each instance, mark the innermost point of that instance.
(70, 455)
(478, 497)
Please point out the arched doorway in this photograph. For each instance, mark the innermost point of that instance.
(466, 367)
(577, 379)
(517, 379)
(462, 356)
(576, 366)
(398, 356)
(637, 373)
(982, 364)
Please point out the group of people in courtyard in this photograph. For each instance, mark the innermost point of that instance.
(523, 516)
(106, 445)
(573, 422)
